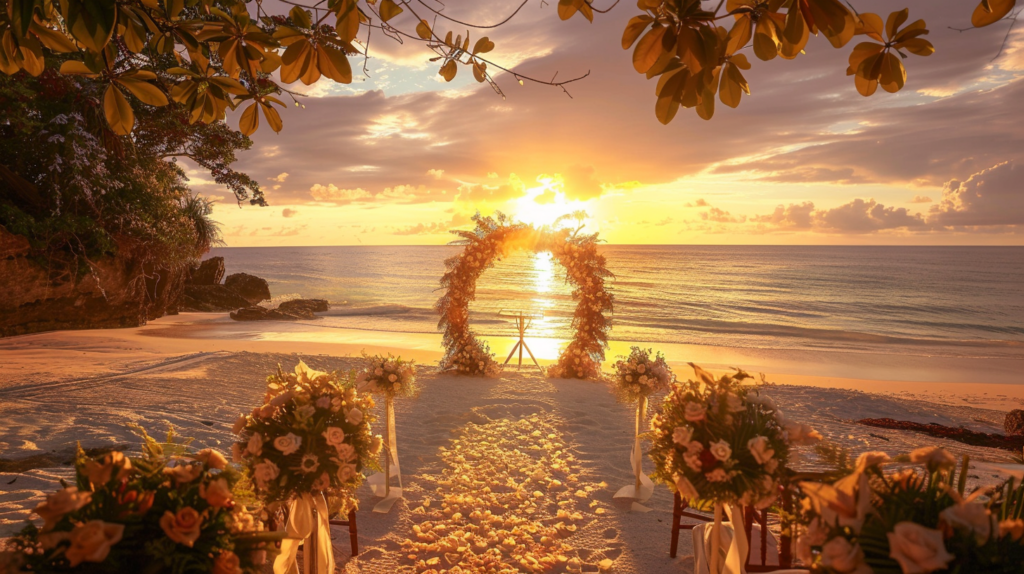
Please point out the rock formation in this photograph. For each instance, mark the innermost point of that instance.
(1013, 424)
(253, 288)
(209, 272)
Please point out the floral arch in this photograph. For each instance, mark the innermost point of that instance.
(496, 237)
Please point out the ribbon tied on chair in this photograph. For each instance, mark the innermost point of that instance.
(307, 525)
(642, 488)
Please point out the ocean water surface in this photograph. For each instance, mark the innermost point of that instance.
(928, 301)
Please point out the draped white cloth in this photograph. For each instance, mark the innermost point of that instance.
(308, 526)
(380, 483)
(642, 488)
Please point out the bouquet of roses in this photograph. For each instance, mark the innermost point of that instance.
(912, 519)
(156, 513)
(312, 434)
(390, 376)
(720, 440)
(471, 356)
(640, 374)
(575, 362)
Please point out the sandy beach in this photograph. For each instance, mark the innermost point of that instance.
(198, 371)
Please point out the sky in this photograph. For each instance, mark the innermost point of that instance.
(402, 157)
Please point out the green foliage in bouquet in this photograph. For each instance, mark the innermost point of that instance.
(914, 519)
(311, 434)
(388, 375)
(721, 440)
(641, 374)
(171, 510)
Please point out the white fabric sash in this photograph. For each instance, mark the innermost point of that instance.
(380, 483)
(736, 553)
(642, 488)
(308, 526)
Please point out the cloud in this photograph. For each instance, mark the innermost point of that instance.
(289, 212)
(435, 173)
(720, 216)
(698, 203)
(993, 196)
(855, 217)
(921, 199)
(334, 194)
(515, 188)
(280, 177)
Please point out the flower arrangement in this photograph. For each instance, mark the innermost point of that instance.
(390, 376)
(311, 434)
(177, 513)
(912, 519)
(641, 374)
(720, 440)
(491, 240)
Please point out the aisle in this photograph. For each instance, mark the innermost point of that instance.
(521, 481)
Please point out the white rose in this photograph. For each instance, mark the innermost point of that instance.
(375, 444)
(970, 517)
(760, 449)
(354, 416)
(843, 557)
(682, 435)
(694, 412)
(919, 550)
(288, 444)
(334, 436)
(721, 450)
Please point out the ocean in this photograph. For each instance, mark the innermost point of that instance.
(926, 301)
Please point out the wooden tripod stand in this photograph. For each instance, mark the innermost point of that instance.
(523, 322)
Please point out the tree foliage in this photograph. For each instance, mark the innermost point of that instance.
(207, 56)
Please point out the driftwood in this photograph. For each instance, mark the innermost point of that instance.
(966, 436)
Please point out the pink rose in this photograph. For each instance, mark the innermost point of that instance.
(345, 452)
(843, 557)
(334, 436)
(266, 471)
(255, 446)
(694, 412)
(288, 444)
(212, 459)
(60, 503)
(91, 541)
(346, 472)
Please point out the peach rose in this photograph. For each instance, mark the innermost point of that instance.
(346, 472)
(216, 493)
(183, 527)
(933, 457)
(376, 443)
(60, 503)
(843, 557)
(255, 446)
(721, 450)
(227, 562)
(183, 473)
(334, 436)
(682, 435)
(919, 550)
(871, 458)
(800, 434)
(240, 423)
(760, 449)
(212, 459)
(111, 465)
(288, 444)
(91, 541)
(717, 475)
(971, 517)
(266, 471)
(354, 416)
(694, 412)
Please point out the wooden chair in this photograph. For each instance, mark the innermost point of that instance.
(353, 529)
(750, 516)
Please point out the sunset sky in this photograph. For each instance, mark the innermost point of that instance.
(401, 157)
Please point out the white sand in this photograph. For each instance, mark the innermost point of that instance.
(198, 372)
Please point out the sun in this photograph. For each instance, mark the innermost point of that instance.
(543, 204)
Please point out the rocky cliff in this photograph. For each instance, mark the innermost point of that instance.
(112, 292)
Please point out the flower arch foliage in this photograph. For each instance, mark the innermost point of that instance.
(496, 237)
